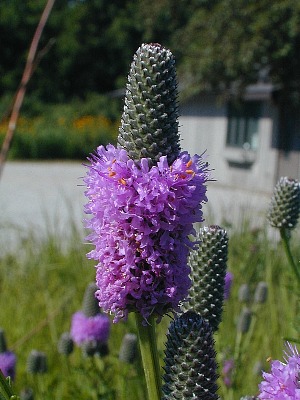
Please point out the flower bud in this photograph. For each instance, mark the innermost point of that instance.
(149, 123)
(208, 269)
(285, 204)
(244, 320)
(37, 362)
(128, 350)
(261, 292)
(90, 306)
(190, 360)
(65, 344)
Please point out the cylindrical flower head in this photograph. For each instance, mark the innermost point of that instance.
(190, 363)
(90, 304)
(244, 320)
(285, 204)
(261, 292)
(86, 329)
(65, 344)
(208, 269)
(8, 364)
(93, 347)
(128, 349)
(149, 126)
(141, 222)
(244, 293)
(37, 362)
(26, 394)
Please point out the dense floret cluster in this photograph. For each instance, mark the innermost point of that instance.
(141, 219)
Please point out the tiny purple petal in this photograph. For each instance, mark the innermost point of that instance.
(141, 220)
(8, 364)
(228, 284)
(283, 382)
(85, 329)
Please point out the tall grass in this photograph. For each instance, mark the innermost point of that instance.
(42, 286)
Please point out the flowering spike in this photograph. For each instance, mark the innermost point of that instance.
(244, 320)
(208, 269)
(261, 293)
(65, 344)
(90, 306)
(190, 365)
(85, 329)
(128, 350)
(149, 126)
(37, 362)
(141, 229)
(26, 394)
(244, 293)
(283, 382)
(285, 204)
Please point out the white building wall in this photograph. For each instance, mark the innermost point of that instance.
(237, 191)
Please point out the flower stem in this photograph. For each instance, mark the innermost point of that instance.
(286, 245)
(150, 360)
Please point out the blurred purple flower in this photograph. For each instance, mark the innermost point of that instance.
(227, 369)
(283, 382)
(85, 329)
(8, 364)
(141, 221)
(228, 284)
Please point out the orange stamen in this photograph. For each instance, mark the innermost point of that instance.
(122, 180)
(189, 163)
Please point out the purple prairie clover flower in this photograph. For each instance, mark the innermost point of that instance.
(8, 364)
(227, 370)
(228, 284)
(141, 219)
(283, 382)
(85, 329)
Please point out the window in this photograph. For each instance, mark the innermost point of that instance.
(242, 129)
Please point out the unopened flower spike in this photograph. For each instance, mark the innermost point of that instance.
(190, 364)
(149, 123)
(208, 262)
(285, 204)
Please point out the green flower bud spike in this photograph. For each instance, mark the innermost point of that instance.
(285, 204)
(90, 306)
(149, 123)
(128, 349)
(190, 365)
(284, 213)
(208, 264)
(37, 362)
(3, 345)
(65, 344)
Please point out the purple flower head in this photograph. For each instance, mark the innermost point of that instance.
(283, 382)
(141, 218)
(228, 284)
(84, 329)
(8, 364)
(227, 370)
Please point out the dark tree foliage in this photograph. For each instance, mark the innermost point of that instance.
(216, 43)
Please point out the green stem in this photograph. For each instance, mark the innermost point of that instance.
(150, 360)
(286, 245)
